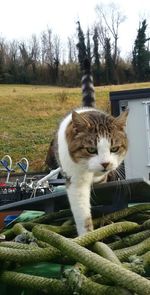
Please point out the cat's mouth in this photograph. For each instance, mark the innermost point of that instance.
(105, 170)
(101, 169)
(101, 172)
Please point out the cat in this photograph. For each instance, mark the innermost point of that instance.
(91, 143)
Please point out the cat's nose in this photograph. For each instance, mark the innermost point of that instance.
(105, 164)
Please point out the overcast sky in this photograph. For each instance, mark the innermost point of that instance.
(20, 19)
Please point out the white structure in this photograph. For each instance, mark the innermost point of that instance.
(137, 162)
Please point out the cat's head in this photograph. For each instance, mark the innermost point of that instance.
(97, 140)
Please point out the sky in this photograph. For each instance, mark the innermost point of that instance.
(21, 18)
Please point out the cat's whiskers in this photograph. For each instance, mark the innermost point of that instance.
(124, 184)
(118, 183)
(94, 194)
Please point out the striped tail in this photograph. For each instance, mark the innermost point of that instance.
(88, 93)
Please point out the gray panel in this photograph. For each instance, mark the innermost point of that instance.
(136, 162)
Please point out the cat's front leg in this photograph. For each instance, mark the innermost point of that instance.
(79, 198)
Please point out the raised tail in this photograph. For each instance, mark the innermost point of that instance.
(88, 93)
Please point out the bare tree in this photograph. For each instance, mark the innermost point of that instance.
(57, 57)
(51, 48)
(12, 59)
(109, 19)
(2, 54)
(13, 51)
(47, 47)
(35, 48)
(43, 46)
(72, 50)
(56, 48)
(27, 54)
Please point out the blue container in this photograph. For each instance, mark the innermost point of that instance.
(9, 218)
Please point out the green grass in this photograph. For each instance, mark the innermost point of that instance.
(29, 116)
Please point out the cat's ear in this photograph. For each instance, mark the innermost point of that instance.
(122, 118)
(79, 122)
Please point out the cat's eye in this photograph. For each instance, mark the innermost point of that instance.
(92, 150)
(114, 149)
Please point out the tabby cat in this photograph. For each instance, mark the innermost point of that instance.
(90, 144)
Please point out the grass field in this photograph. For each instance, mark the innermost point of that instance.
(29, 116)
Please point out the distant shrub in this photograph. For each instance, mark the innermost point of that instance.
(62, 97)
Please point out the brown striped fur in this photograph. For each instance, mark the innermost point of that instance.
(85, 128)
